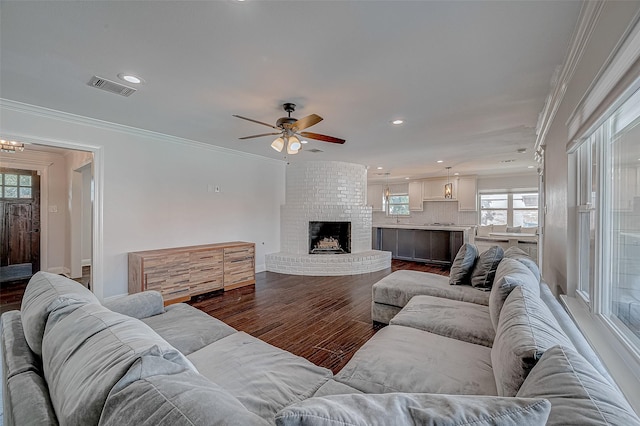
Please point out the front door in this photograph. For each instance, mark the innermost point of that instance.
(20, 219)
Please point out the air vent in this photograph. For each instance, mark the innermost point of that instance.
(508, 161)
(111, 86)
(314, 150)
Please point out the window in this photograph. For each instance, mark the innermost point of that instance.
(511, 209)
(14, 185)
(399, 204)
(608, 220)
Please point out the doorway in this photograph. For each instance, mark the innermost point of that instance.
(19, 224)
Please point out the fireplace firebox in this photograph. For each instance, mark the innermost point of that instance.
(329, 237)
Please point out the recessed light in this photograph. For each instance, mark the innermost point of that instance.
(407, 178)
(440, 161)
(456, 174)
(530, 167)
(379, 167)
(300, 141)
(130, 78)
(397, 122)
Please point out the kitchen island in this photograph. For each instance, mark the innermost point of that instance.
(434, 243)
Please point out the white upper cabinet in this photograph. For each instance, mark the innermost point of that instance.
(468, 194)
(374, 197)
(433, 189)
(415, 196)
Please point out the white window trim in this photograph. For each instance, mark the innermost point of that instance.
(509, 209)
(609, 90)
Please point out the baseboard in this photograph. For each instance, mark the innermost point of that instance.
(261, 268)
(85, 262)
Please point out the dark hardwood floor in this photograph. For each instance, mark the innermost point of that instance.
(323, 319)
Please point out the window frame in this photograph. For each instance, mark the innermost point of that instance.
(509, 209)
(390, 204)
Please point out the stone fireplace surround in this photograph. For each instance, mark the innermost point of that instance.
(330, 191)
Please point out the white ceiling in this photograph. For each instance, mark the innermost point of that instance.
(469, 77)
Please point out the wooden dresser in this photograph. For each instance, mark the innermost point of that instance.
(181, 272)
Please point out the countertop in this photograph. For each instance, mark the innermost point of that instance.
(432, 227)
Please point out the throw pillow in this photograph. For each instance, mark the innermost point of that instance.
(579, 395)
(484, 270)
(413, 409)
(514, 229)
(521, 256)
(86, 350)
(463, 264)
(499, 228)
(484, 230)
(510, 274)
(178, 397)
(526, 330)
(530, 230)
(44, 288)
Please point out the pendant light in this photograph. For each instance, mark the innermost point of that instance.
(448, 187)
(387, 195)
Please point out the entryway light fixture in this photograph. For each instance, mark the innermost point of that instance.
(11, 147)
(448, 187)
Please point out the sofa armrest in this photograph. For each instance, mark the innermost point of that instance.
(138, 305)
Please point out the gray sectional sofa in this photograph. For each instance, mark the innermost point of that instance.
(67, 359)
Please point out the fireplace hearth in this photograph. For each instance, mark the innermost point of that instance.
(329, 237)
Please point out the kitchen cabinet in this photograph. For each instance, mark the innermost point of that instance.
(433, 189)
(420, 245)
(182, 272)
(374, 197)
(467, 194)
(416, 200)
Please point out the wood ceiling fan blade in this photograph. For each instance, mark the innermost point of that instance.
(260, 135)
(323, 138)
(256, 121)
(306, 122)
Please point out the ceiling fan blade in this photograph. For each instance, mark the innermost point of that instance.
(257, 136)
(256, 121)
(305, 122)
(320, 137)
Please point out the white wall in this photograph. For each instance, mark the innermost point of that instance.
(155, 189)
(612, 22)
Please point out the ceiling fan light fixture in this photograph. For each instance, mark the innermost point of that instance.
(278, 144)
(293, 145)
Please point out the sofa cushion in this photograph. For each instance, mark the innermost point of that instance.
(521, 256)
(499, 228)
(44, 288)
(579, 395)
(403, 359)
(414, 409)
(484, 270)
(203, 328)
(27, 401)
(463, 264)
(464, 321)
(86, 349)
(179, 397)
(263, 378)
(510, 274)
(332, 387)
(399, 287)
(526, 330)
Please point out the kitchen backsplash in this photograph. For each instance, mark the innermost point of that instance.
(434, 212)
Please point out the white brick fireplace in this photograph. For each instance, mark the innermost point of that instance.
(325, 191)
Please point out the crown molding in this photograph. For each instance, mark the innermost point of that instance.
(38, 111)
(587, 21)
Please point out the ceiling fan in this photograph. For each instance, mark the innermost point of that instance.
(289, 130)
